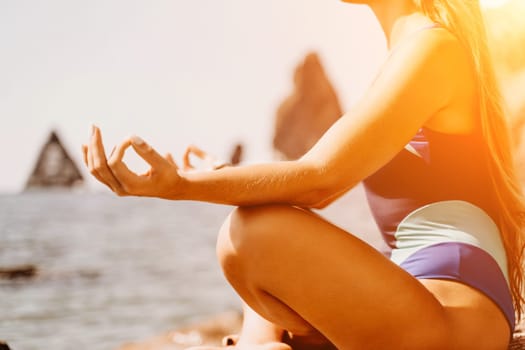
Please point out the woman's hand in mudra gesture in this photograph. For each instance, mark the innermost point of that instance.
(209, 162)
(161, 180)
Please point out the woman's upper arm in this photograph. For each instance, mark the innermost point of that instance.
(417, 81)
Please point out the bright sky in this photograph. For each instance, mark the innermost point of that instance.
(208, 72)
(492, 3)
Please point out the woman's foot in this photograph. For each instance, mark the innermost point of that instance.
(244, 346)
(260, 334)
(230, 340)
(312, 342)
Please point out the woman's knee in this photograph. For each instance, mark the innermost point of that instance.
(247, 236)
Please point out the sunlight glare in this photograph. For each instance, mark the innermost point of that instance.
(492, 3)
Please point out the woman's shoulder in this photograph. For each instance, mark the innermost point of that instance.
(456, 64)
(434, 58)
(442, 67)
(433, 41)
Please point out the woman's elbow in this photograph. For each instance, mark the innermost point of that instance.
(320, 205)
(326, 187)
(324, 200)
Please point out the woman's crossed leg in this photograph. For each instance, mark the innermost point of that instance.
(309, 277)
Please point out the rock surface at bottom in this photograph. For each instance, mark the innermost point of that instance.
(208, 332)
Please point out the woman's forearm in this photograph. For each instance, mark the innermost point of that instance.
(305, 182)
(298, 183)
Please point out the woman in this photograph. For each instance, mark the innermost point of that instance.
(430, 143)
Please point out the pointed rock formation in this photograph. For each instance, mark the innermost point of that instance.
(54, 167)
(304, 116)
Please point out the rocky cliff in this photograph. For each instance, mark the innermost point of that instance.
(310, 109)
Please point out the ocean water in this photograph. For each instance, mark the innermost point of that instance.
(111, 270)
(114, 270)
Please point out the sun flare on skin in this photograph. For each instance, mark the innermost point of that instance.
(492, 3)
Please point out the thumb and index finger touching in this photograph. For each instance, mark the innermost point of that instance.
(138, 184)
(120, 172)
(144, 150)
(148, 153)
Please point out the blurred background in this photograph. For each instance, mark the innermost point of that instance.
(173, 72)
(81, 268)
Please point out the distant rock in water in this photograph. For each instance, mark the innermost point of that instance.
(16, 272)
(305, 115)
(54, 167)
(237, 154)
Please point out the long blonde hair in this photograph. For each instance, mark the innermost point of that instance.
(464, 18)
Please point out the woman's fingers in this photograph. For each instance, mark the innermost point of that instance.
(117, 155)
(98, 166)
(88, 159)
(130, 182)
(85, 154)
(186, 164)
(170, 160)
(147, 153)
(199, 153)
(113, 172)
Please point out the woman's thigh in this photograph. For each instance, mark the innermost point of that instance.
(338, 284)
(473, 317)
